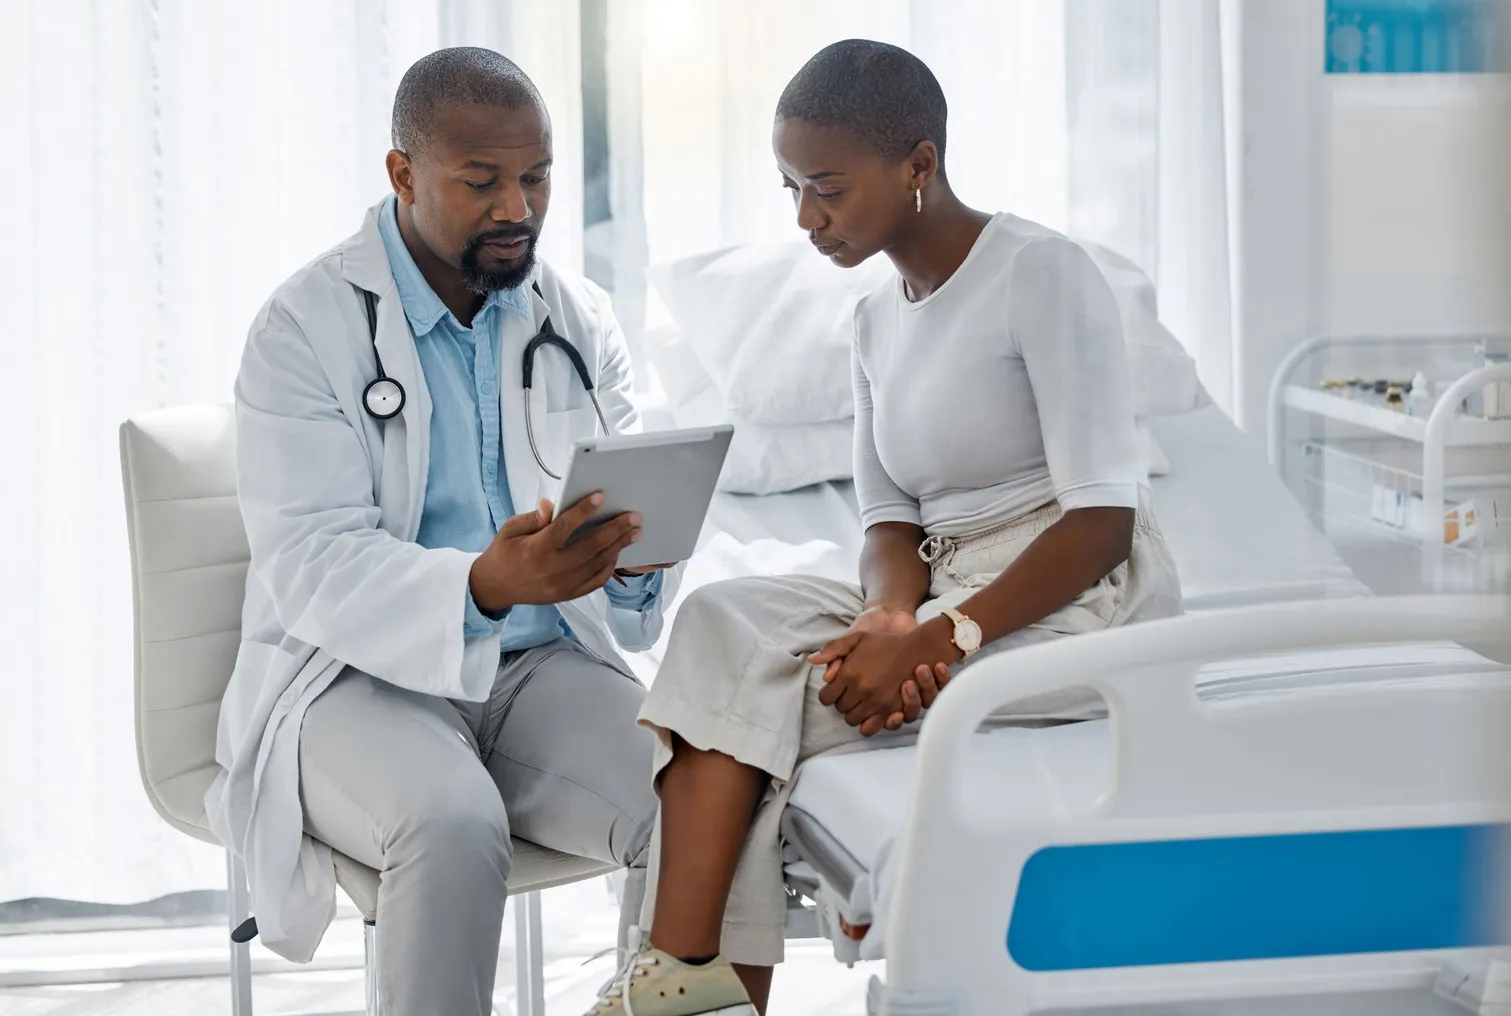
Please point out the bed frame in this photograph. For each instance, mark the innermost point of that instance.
(1288, 845)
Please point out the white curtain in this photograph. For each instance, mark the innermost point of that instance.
(710, 75)
(545, 38)
(1102, 118)
(169, 163)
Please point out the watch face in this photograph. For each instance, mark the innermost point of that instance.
(968, 636)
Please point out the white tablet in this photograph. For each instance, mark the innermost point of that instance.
(667, 476)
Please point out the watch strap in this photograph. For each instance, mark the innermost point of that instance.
(957, 619)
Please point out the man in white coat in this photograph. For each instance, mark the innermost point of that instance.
(426, 666)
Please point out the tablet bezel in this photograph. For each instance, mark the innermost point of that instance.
(671, 534)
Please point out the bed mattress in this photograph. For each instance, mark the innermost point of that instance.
(1238, 535)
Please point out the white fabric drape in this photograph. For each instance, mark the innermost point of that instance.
(710, 76)
(545, 38)
(169, 163)
(1102, 118)
(1195, 258)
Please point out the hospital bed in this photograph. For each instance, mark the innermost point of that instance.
(1291, 799)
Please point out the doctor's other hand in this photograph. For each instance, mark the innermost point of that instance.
(531, 562)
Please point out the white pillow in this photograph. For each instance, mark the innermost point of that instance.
(681, 376)
(770, 459)
(772, 325)
(1164, 375)
(762, 459)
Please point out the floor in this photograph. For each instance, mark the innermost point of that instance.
(579, 920)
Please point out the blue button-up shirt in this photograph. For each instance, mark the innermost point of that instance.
(467, 495)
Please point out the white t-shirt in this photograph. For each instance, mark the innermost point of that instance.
(1003, 389)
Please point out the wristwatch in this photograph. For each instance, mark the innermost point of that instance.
(967, 634)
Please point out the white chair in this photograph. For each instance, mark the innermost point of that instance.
(189, 561)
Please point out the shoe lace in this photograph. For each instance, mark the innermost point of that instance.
(618, 987)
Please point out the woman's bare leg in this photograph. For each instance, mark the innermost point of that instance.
(707, 800)
(757, 981)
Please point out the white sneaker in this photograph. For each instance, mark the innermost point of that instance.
(653, 983)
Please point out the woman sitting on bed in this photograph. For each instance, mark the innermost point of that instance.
(1000, 489)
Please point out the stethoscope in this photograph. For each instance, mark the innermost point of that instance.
(384, 397)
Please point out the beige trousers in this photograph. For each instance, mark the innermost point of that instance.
(736, 680)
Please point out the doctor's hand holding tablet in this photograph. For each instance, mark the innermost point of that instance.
(534, 560)
(633, 501)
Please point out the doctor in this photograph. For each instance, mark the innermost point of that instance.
(425, 668)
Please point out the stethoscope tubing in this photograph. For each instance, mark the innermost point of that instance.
(383, 387)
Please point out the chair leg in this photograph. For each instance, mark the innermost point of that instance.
(239, 907)
(370, 965)
(529, 960)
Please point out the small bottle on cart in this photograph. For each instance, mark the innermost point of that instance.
(1419, 399)
(1496, 396)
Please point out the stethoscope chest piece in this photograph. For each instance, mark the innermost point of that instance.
(383, 398)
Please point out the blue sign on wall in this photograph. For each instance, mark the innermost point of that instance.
(1414, 36)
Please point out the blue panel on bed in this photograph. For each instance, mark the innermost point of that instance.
(1314, 894)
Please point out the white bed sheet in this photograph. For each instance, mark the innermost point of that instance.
(1238, 535)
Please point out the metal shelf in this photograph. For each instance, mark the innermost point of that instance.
(1398, 488)
(1387, 500)
(1465, 431)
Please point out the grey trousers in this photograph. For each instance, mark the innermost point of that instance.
(428, 791)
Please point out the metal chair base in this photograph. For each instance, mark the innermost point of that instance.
(529, 954)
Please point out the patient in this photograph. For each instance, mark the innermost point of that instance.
(1001, 492)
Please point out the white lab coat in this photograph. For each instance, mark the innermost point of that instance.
(331, 499)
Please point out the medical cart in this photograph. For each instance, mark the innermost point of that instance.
(1412, 482)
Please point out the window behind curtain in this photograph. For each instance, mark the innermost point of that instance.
(597, 210)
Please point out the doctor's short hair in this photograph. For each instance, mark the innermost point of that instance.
(461, 76)
(883, 95)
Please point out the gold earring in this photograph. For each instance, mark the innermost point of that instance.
(918, 200)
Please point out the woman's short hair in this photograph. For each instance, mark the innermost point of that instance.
(882, 94)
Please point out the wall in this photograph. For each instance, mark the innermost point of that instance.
(1358, 203)
(1420, 222)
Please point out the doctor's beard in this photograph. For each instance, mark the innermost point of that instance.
(484, 281)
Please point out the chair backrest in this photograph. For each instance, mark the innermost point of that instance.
(189, 561)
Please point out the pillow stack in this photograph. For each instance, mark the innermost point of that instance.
(1164, 375)
(761, 339)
